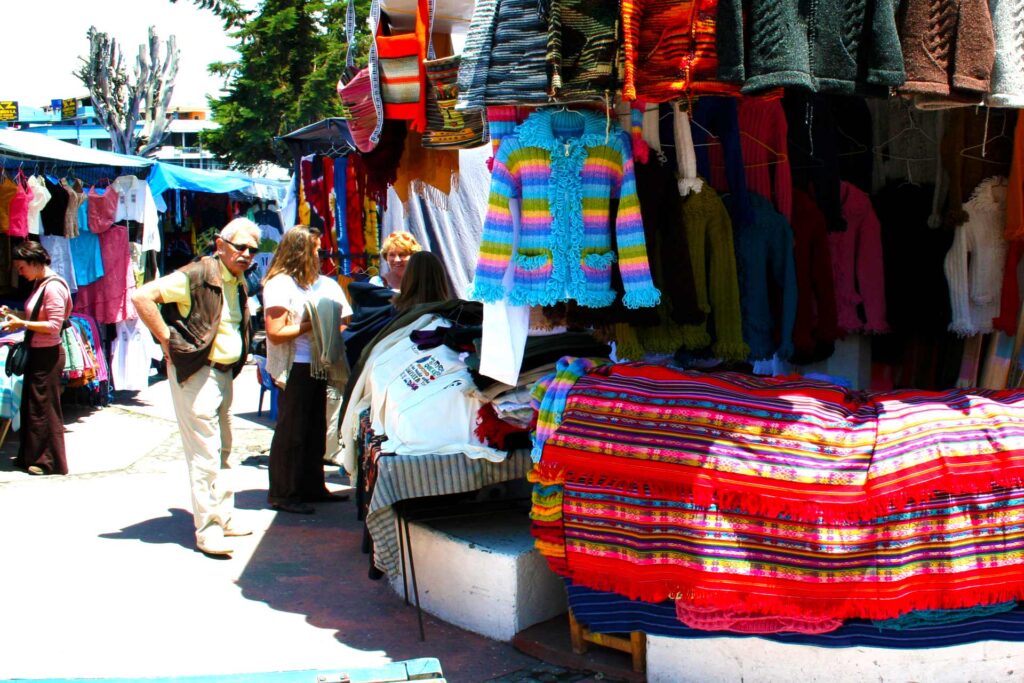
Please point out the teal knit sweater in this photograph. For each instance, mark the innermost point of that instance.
(840, 46)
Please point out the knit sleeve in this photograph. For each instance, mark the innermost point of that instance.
(1009, 298)
(885, 61)
(783, 186)
(959, 291)
(784, 274)
(870, 272)
(476, 56)
(501, 122)
(727, 127)
(631, 12)
(634, 267)
(724, 288)
(498, 232)
(824, 286)
(729, 41)
(975, 47)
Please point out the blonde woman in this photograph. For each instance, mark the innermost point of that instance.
(299, 443)
(395, 253)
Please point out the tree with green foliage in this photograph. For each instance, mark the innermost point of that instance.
(291, 54)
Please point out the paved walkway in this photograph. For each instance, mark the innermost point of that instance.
(99, 576)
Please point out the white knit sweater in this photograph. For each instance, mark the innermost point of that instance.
(1007, 89)
(974, 264)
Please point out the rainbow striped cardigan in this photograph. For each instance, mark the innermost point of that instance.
(549, 215)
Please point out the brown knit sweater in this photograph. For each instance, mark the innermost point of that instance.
(948, 47)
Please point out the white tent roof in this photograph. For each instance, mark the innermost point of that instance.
(31, 145)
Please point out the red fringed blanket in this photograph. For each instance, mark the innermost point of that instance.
(798, 447)
(784, 497)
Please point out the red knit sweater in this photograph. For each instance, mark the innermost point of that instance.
(765, 156)
(670, 49)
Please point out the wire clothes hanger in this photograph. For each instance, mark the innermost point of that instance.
(911, 129)
(970, 152)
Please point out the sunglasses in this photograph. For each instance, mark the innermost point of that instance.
(242, 247)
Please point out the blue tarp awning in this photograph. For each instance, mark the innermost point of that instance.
(173, 177)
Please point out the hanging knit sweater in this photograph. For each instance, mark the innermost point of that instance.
(948, 47)
(670, 49)
(764, 259)
(974, 264)
(858, 266)
(709, 236)
(582, 47)
(720, 117)
(563, 173)
(504, 59)
(1007, 88)
(816, 328)
(765, 156)
(841, 46)
(814, 151)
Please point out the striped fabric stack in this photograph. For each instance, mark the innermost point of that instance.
(784, 497)
(446, 127)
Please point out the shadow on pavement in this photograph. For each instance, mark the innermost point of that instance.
(312, 565)
(175, 528)
(262, 420)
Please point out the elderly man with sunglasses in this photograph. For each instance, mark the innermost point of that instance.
(203, 328)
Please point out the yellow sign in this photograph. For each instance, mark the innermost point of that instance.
(69, 108)
(8, 111)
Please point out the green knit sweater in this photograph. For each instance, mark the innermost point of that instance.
(709, 232)
(840, 46)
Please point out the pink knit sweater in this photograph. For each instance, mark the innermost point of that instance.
(765, 156)
(857, 264)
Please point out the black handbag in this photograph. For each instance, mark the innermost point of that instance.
(17, 358)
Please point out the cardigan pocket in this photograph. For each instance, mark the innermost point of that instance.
(596, 263)
(533, 265)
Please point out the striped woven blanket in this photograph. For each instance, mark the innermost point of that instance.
(798, 447)
(962, 551)
(784, 497)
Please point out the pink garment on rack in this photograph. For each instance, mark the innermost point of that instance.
(765, 153)
(102, 374)
(108, 299)
(18, 216)
(857, 265)
(102, 208)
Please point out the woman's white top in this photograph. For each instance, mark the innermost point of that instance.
(282, 291)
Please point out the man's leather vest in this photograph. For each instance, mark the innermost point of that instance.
(191, 336)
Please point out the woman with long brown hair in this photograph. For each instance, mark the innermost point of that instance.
(425, 281)
(300, 438)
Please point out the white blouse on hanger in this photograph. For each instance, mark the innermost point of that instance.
(974, 264)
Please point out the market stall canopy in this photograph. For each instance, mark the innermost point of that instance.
(172, 177)
(38, 146)
(327, 136)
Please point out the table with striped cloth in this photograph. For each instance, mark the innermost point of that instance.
(784, 497)
(401, 477)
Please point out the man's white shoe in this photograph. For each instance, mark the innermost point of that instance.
(215, 547)
(237, 530)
